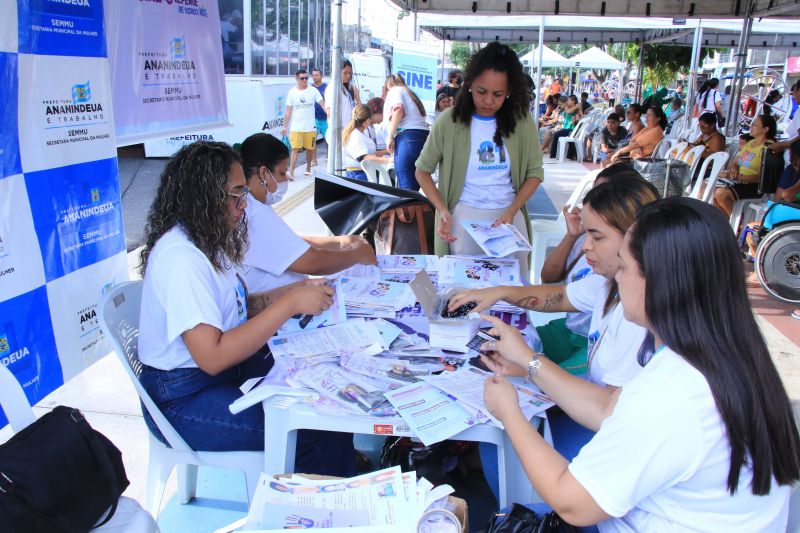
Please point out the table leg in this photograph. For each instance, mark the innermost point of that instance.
(279, 441)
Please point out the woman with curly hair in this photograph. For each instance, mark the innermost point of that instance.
(201, 333)
(488, 154)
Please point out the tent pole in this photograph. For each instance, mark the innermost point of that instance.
(640, 74)
(441, 72)
(693, 67)
(738, 74)
(539, 68)
(247, 29)
(335, 138)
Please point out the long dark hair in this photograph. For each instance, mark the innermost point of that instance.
(768, 121)
(618, 202)
(696, 303)
(349, 85)
(193, 192)
(500, 58)
(660, 115)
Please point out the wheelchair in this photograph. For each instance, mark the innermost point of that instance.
(777, 261)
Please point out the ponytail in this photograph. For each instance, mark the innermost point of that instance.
(361, 114)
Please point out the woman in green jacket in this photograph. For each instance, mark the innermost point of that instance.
(488, 154)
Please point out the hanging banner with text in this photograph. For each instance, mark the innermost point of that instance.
(418, 65)
(369, 73)
(62, 243)
(167, 72)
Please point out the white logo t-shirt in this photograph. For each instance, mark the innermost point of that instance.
(302, 102)
(488, 181)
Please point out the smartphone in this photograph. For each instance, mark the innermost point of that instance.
(477, 341)
(477, 363)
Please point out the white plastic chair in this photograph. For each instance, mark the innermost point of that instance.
(717, 162)
(692, 158)
(119, 318)
(677, 127)
(657, 148)
(578, 137)
(371, 168)
(676, 150)
(129, 516)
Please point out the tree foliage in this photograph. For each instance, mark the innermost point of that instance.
(460, 54)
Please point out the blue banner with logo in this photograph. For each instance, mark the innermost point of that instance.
(77, 215)
(419, 71)
(61, 240)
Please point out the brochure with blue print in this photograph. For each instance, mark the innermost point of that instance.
(335, 314)
(496, 241)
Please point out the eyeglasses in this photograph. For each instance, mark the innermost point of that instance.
(303, 78)
(241, 197)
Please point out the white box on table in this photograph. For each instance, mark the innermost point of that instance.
(446, 333)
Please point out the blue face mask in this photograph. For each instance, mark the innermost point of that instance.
(280, 189)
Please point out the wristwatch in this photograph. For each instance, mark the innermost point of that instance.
(533, 366)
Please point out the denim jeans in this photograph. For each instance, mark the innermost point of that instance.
(407, 147)
(196, 404)
(357, 175)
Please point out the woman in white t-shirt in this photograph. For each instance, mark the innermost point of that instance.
(277, 256)
(201, 332)
(704, 438)
(350, 98)
(608, 211)
(406, 129)
(358, 145)
(487, 151)
(708, 99)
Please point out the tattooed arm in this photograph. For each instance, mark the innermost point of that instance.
(545, 298)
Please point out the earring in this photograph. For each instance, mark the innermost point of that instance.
(470, 90)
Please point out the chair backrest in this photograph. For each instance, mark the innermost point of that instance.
(657, 148)
(119, 318)
(692, 158)
(581, 189)
(677, 128)
(13, 401)
(676, 150)
(717, 162)
(577, 131)
(370, 168)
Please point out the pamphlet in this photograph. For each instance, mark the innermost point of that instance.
(328, 341)
(335, 314)
(499, 241)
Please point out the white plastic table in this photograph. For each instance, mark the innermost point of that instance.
(280, 437)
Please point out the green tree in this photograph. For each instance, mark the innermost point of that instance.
(460, 54)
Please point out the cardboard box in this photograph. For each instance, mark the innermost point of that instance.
(446, 333)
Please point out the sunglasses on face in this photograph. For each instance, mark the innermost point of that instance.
(240, 197)
(303, 78)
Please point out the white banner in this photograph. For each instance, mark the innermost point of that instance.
(167, 71)
(254, 105)
(369, 72)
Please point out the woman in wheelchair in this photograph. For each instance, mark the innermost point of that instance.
(703, 438)
(201, 333)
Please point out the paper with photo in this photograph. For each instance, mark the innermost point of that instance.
(397, 370)
(382, 295)
(498, 241)
(431, 414)
(328, 341)
(356, 392)
(470, 270)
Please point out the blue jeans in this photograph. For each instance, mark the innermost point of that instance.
(196, 404)
(357, 175)
(407, 147)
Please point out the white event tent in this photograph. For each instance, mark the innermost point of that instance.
(596, 59)
(550, 58)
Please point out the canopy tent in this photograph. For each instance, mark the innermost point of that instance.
(607, 8)
(550, 58)
(596, 59)
(766, 33)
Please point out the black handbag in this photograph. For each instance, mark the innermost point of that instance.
(58, 474)
(520, 519)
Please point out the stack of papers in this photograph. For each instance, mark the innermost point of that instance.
(380, 299)
(386, 501)
(326, 344)
(471, 271)
(499, 241)
(396, 268)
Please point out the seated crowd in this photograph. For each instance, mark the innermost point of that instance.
(670, 414)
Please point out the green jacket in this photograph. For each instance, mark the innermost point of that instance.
(448, 147)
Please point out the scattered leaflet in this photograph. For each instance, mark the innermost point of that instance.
(389, 332)
(381, 368)
(371, 503)
(364, 297)
(467, 271)
(360, 271)
(325, 343)
(335, 314)
(499, 241)
(357, 393)
(431, 414)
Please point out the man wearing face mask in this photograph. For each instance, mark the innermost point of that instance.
(277, 256)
